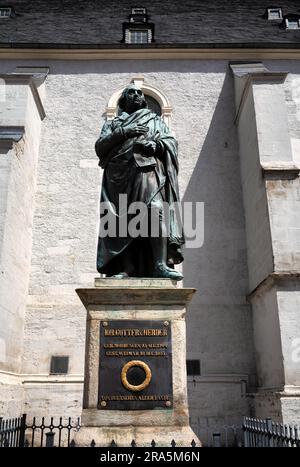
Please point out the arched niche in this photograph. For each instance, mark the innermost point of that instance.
(148, 90)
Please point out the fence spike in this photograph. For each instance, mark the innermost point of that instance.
(93, 444)
(193, 443)
(113, 444)
(173, 444)
(291, 434)
(153, 443)
(296, 432)
(72, 444)
(133, 444)
(78, 424)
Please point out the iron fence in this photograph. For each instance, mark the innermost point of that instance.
(51, 434)
(12, 432)
(266, 433)
(19, 432)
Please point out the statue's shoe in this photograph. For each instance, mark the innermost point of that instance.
(121, 275)
(161, 270)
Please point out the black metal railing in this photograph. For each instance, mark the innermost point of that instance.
(19, 432)
(51, 434)
(12, 432)
(266, 433)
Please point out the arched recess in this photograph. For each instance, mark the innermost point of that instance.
(157, 94)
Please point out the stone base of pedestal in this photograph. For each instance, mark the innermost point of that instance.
(135, 323)
(142, 436)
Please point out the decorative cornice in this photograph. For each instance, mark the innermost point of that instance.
(168, 52)
(135, 296)
(230, 378)
(29, 79)
(10, 135)
(277, 391)
(247, 74)
(8, 377)
(277, 278)
(280, 171)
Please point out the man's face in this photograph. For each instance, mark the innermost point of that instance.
(134, 99)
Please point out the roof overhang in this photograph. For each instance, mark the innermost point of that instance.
(165, 52)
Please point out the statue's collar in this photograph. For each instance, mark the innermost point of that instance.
(125, 115)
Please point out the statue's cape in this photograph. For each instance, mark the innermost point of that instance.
(122, 176)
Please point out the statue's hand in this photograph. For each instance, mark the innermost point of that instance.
(134, 130)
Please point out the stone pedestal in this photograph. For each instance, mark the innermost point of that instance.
(138, 300)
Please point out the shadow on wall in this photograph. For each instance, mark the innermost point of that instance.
(219, 266)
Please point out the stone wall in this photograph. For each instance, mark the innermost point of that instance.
(19, 116)
(66, 222)
(219, 321)
(273, 252)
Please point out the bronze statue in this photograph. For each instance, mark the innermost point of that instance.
(139, 158)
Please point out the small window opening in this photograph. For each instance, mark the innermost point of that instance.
(274, 13)
(138, 29)
(138, 36)
(291, 22)
(59, 365)
(5, 12)
(193, 367)
(138, 11)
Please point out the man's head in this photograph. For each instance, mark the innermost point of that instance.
(132, 99)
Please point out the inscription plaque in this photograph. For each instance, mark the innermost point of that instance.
(135, 371)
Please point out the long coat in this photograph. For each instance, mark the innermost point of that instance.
(122, 175)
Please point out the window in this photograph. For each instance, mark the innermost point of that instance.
(291, 22)
(138, 11)
(59, 365)
(274, 13)
(193, 367)
(138, 15)
(5, 12)
(138, 30)
(138, 36)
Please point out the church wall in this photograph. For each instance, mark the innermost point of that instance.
(18, 177)
(268, 346)
(284, 200)
(289, 301)
(259, 244)
(275, 296)
(66, 223)
(286, 193)
(219, 323)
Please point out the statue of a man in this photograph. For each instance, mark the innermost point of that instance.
(139, 158)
